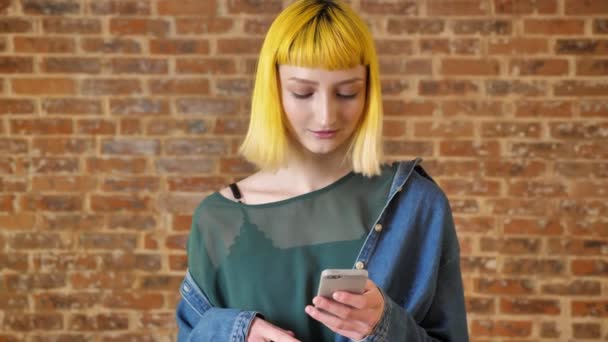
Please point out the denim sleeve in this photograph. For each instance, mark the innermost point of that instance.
(215, 324)
(445, 320)
(198, 320)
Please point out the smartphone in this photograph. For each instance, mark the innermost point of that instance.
(348, 280)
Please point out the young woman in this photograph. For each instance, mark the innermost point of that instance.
(322, 199)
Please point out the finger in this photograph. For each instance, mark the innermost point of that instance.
(357, 301)
(273, 333)
(335, 323)
(338, 309)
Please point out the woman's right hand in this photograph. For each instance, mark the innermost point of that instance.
(262, 331)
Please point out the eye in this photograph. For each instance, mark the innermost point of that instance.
(347, 96)
(301, 96)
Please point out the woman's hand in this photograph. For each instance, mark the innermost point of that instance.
(262, 331)
(350, 315)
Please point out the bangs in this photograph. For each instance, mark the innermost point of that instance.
(325, 41)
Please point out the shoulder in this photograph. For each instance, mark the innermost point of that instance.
(419, 182)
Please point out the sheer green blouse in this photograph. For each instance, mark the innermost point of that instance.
(268, 257)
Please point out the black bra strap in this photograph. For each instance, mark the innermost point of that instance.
(236, 192)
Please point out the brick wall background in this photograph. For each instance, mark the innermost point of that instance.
(118, 116)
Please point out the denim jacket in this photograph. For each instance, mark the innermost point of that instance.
(412, 255)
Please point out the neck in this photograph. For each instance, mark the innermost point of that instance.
(308, 172)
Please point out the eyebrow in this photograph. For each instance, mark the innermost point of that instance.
(350, 80)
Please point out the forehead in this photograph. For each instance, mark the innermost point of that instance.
(298, 74)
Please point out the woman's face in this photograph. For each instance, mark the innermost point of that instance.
(322, 107)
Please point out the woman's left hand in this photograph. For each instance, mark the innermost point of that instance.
(348, 314)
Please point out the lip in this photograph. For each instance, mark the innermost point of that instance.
(325, 134)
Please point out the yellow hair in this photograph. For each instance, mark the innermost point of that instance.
(319, 34)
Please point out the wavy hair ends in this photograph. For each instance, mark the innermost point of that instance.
(324, 34)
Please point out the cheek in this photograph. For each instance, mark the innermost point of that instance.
(294, 111)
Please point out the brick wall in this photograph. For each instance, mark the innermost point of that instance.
(117, 117)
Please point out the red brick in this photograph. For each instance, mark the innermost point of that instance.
(179, 47)
(518, 46)
(52, 202)
(518, 87)
(14, 261)
(592, 67)
(96, 127)
(137, 301)
(41, 126)
(62, 146)
(172, 126)
(581, 88)
(63, 183)
(573, 288)
(452, 129)
(480, 224)
(529, 306)
(203, 65)
(510, 130)
(195, 86)
(10, 65)
(415, 25)
(461, 187)
(394, 128)
(71, 65)
(400, 66)
(196, 184)
(469, 148)
(54, 165)
(43, 86)
(110, 87)
(590, 308)
(116, 165)
(120, 7)
(518, 7)
(139, 66)
(470, 108)
(28, 282)
(44, 262)
(98, 322)
(195, 25)
(403, 108)
(503, 286)
(15, 25)
(102, 280)
(207, 106)
(587, 330)
(581, 46)
(178, 262)
(13, 302)
(401, 8)
(510, 245)
(111, 45)
(184, 166)
(69, 25)
(34, 322)
(544, 189)
(113, 203)
(71, 106)
(484, 27)
(106, 241)
(135, 184)
(464, 46)
(139, 106)
(43, 45)
(139, 26)
(594, 268)
(13, 146)
(600, 26)
(61, 301)
(587, 7)
(186, 8)
(48, 7)
(509, 328)
(447, 87)
(560, 27)
(458, 7)
(408, 148)
(473, 67)
(16, 106)
(538, 67)
(532, 226)
(533, 266)
(238, 46)
(543, 109)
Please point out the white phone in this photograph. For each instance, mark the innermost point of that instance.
(348, 280)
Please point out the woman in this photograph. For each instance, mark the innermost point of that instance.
(321, 200)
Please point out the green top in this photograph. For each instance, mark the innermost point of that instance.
(269, 257)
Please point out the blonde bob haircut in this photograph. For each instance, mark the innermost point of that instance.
(318, 34)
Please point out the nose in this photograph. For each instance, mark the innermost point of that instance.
(326, 112)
